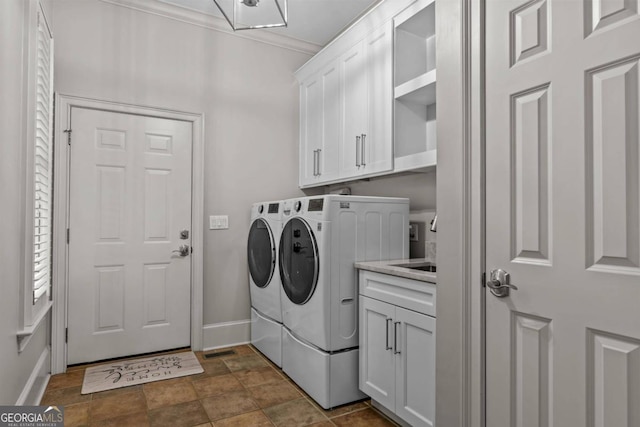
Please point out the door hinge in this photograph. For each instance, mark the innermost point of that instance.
(68, 132)
(66, 335)
(68, 236)
(484, 280)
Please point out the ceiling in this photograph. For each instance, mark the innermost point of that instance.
(312, 21)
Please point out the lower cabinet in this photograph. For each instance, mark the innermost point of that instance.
(397, 359)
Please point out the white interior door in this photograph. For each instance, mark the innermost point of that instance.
(562, 212)
(130, 198)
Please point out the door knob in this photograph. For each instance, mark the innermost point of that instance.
(498, 283)
(183, 250)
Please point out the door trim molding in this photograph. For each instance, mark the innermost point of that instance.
(63, 106)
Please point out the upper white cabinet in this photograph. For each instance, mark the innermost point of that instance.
(320, 120)
(415, 87)
(346, 103)
(367, 108)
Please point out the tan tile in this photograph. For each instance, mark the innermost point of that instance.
(293, 383)
(139, 419)
(258, 376)
(214, 386)
(117, 391)
(327, 423)
(64, 396)
(274, 393)
(76, 415)
(364, 418)
(249, 361)
(169, 392)
(117, 405)
(182, 415)
(228, 405)
(294, 413)
(250, 419)
(211, 368)
(69, 379)
(244, 349)
(204, 425)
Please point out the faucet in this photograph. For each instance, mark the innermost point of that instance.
(433, 223)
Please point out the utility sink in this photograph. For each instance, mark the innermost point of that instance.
(422, 266)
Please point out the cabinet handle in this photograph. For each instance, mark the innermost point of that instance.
(358, 151)
(395, 338)
(318, 160)
(315, 162)
(362, 143)
(386, 342)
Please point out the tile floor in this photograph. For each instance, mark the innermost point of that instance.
(243, 389)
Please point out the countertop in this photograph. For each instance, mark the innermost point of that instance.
(392, 268)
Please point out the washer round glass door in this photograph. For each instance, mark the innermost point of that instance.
(299, 264)
(261, 253)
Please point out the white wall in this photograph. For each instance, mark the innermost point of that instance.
(16, 367)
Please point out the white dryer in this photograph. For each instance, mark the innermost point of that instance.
(321, 239)
(264, 279)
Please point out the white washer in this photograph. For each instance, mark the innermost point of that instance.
(264, 279)
(321, 239)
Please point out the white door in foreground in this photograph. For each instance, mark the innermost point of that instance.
(562, 212)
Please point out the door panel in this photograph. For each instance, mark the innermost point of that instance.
(310, 127)
(378, 145)
(329, 162)
(377, 361)
(130, 196)
(416, 367)
(354, 96)
(562, 195)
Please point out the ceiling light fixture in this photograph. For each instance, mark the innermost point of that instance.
(253, 14)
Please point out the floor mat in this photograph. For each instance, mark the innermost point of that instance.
(126, 373)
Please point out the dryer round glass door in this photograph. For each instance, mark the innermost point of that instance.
(261, 252)
(298, 261)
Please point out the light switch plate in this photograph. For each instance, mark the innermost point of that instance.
(218, 222)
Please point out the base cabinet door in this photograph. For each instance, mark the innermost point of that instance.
(377, 361)
(398, 345)
(416, 367)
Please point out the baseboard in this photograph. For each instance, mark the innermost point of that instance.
(226, 334)
(37, 383)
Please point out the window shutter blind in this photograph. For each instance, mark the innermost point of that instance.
(43, 163)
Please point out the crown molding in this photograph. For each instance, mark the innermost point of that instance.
(215, 23)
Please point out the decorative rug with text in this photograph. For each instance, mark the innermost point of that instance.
(126, 373)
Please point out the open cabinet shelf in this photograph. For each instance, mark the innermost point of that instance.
(420, 90)
(415, 145)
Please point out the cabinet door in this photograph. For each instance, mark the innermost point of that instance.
(329, 154)
(377, 361)
(377, 153)
(415, 374)
(310, 127)
(354, 107)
